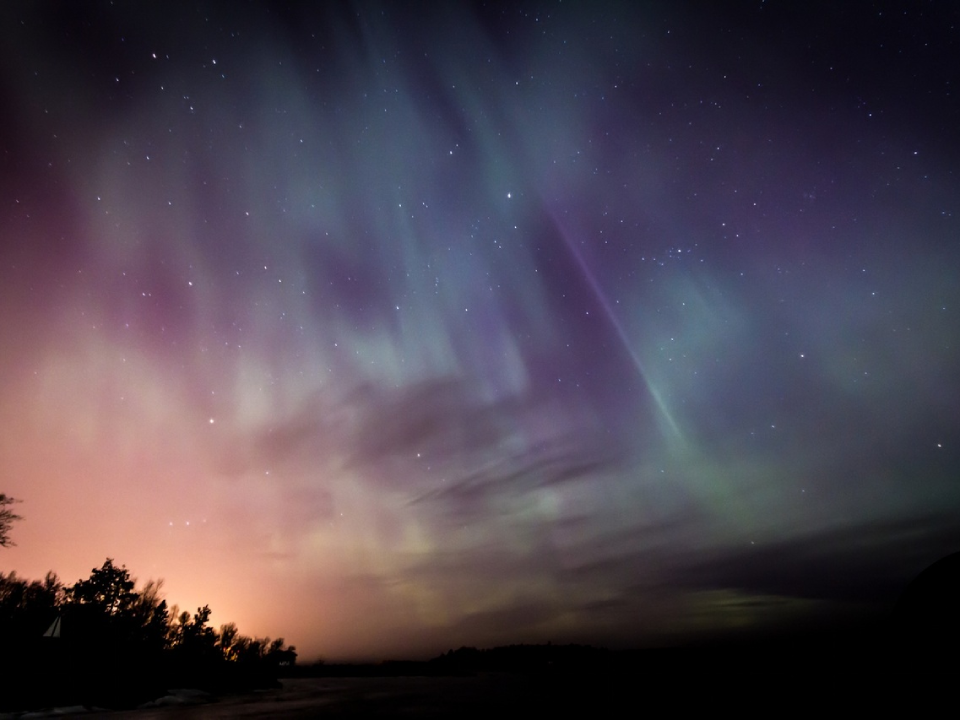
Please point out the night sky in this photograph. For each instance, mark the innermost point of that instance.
(390, 328)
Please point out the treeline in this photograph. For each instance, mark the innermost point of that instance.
(546, 659)
(104, 642)
(534, 659)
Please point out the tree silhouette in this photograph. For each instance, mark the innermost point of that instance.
(26, 608)
(109, 588)
(120, 644)
(227, 639)
(7, 518)
(278, 655)
(150, 616)
(194, 635)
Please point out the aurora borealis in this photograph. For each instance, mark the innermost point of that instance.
(388, 328)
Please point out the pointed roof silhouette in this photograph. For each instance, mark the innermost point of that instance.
(54, 629)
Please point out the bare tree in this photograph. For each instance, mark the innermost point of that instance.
(7, 518)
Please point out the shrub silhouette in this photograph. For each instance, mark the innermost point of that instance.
(118, 645)
(7, 518)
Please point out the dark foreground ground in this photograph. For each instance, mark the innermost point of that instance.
(411, 697)
(858, 673)
(487, 695)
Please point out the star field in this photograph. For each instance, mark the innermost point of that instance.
(392, 328)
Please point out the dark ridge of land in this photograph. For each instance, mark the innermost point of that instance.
(867, 651)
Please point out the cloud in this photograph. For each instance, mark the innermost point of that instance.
(480, 444)
(563, 460)
(868, 562)
(652, 578)
(521, 620)
(440, 417)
